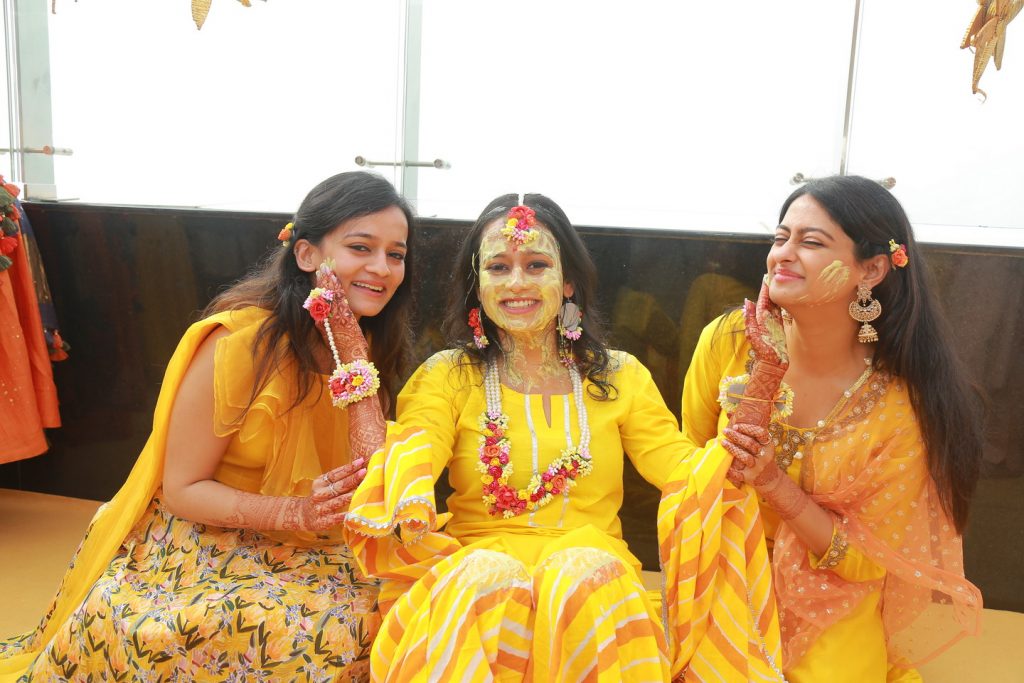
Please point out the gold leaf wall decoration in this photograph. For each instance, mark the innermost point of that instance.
(987, 35)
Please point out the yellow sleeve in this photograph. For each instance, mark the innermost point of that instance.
(649, 432)
(720, 342)
(845, 560)
(430, 400)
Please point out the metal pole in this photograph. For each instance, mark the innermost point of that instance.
(858, 15)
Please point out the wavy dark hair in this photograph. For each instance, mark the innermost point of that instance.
(914, 340)
(578, 269)
(280, 286)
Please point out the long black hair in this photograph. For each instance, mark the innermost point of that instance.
(280, 286)
(578, 269)
(914, 341)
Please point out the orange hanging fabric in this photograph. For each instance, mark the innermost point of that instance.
(28, 397)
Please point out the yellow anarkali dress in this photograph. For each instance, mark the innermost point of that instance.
(555, 594)
(857, 614)
(150, 596)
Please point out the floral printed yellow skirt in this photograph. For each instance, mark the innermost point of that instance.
(183, 602)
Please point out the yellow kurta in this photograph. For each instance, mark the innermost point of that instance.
(556, 594)
(150, 592)
(876, 433)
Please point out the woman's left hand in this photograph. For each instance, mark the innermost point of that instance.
(748, 445)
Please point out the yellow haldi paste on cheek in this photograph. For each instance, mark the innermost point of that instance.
(833, 277)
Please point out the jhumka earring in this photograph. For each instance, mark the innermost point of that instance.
(864, 310)
(570, 319)
(476, 324)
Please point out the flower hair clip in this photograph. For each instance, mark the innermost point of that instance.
(519, 224)
(350, 382)
(285, 236)
(898, 254)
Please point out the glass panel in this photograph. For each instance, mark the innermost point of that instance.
(6, 157)
(663, 114)
(957, 161)
(247, 113)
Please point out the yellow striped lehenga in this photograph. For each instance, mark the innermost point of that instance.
(556, 594)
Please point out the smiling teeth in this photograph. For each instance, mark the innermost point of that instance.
(372, 288)
(518, 304)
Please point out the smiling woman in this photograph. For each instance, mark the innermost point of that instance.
(532, 414)
(221, 557)
(866, 466)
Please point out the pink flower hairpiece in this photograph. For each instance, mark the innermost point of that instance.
(519, 225)
(898, 254)
(350, 382)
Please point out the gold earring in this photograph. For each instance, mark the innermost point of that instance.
(864, 310)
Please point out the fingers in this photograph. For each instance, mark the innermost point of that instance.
(349, 483)
(764, 302)
(756, 432)
(735, 474)
(339, 481)
(751, 447)
(744, 458)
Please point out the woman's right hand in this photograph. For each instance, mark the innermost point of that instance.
(326, 505)
(765, 330)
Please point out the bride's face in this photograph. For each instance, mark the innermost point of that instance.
(521, 288)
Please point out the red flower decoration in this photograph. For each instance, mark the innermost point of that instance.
(319, 309)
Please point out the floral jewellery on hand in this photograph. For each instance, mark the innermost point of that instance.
(495, 464)
(519, 224)
(476, 324)
(350, 382)
(286, 234)
(732, 390)
(898, 254)
(864, 310)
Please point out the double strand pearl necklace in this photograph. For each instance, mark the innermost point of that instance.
(495, 464)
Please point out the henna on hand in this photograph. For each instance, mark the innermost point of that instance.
(788, 499)
(746, 444)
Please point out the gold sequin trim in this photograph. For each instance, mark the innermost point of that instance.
(837, 548)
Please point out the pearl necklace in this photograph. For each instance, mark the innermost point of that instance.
(495, 464)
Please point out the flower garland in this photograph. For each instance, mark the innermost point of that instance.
(519, 225)
(350, 382)
(495, 464)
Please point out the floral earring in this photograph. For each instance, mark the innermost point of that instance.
(476, 324)
(570, 329)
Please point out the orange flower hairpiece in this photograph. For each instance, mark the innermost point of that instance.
(519, 224)
(286, 234)
(898, 254)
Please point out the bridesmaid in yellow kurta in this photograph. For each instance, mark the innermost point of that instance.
(531, 415)
(865, 537)
(221, 558)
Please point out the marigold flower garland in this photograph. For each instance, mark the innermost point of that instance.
(350, 382)
(495, 463)
(519, 225)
